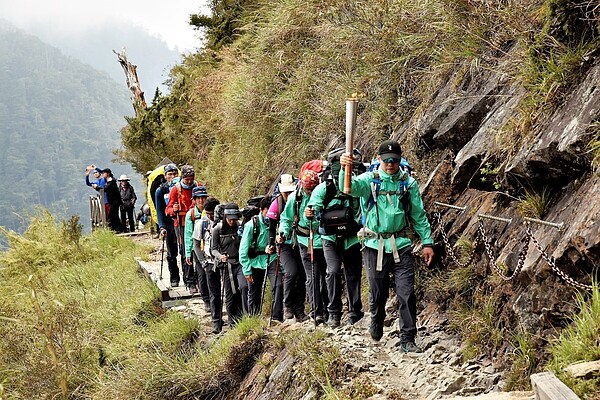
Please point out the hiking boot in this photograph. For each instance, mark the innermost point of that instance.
(376, 331)
(333, 322)
(193, 290)
(207, 307)
(301, 317)
(410, 347)
(288, 313)
(217, 328)
(355, 318)
(320, 319)
(174, 283)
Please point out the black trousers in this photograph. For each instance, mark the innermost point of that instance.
(199, 271)
(352, 259)
(213, 282)
(315, 281)
(189, 272)
(127, 212)
(255, 290)
(172, 251)
(294, 285)
(404, 278)
(236, 291)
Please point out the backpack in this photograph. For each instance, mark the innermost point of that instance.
(250, 212)
(339, 219)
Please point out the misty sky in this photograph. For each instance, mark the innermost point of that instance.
(165, 19)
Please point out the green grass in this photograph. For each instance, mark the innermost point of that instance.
(79, 321)
(535, 205)
(579, 342)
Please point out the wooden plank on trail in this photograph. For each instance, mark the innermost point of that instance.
(148, 272)
(548, 387)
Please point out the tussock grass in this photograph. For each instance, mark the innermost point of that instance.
(579, 342)
(79, 321)
(534, 204)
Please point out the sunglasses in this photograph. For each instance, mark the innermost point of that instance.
(391, 160)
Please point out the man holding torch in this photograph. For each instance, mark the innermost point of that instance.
(389, 199)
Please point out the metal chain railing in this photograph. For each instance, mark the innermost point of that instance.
(449, 250)
(552, 263)
(481, 235)
(490, 254)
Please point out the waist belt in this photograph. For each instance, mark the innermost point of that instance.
(302, 231)
(366, 233)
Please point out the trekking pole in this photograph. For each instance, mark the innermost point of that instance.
(275, 284)
(264, 287)
(222, 295)
(311, 251)
(162, 257)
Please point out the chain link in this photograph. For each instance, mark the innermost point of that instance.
(449, 248)
(552, 263)
(490, 254)
(521, 258)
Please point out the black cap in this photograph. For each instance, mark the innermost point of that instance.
(107, 170)
(390, 148)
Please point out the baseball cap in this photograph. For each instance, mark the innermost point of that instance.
(390, 148)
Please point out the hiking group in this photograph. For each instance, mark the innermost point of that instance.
(309, 239)
(119, 198)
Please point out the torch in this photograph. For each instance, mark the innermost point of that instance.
(351, 105)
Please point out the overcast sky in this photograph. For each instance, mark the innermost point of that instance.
(166, 19)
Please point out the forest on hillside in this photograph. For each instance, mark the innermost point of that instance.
(57, 116)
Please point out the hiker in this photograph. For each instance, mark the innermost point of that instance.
(194, 256)
(225, 248)
(388, 250)
(166, 224)
(128, 198)
(99, 183)
(258, 261)
(154, 180)
(213, 274)
(111, 190)
(180, 201)
(339, 223)
(294, 285)
(295, 223)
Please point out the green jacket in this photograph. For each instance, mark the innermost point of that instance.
(317, 199)
(391, 216)
(260, 261)
(189, 229)
(287, 220)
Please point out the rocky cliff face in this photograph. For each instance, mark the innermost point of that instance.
(465, 122)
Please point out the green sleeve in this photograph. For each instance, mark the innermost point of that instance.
(287, 216)
(317, 197)
(244, 247)
(188, 231)
(417, 213)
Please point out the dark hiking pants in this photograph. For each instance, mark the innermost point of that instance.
(294, 286)
(172, 251)
(213, 282)
(404, 278)
(315, 283)
(352, 259)
(255, 291)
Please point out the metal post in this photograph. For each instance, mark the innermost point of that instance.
(437, 203)
(507, 220)
(539, 221)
